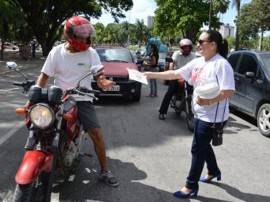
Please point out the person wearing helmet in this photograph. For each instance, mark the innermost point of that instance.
(68, 63)
(180, 58)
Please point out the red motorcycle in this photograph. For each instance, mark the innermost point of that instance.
(55, 136)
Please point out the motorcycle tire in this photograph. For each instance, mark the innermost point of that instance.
(190, 122)
(39, 190)
(23, 192)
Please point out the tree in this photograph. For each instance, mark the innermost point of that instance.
(254, 18)
(111, 31)
(187, 16)
(46, 17)
(237, 3)
(141, 32)
(100, 33)
(9, 15)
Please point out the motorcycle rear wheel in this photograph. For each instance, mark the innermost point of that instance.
(190, 122)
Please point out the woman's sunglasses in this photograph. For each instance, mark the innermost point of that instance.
(203, 41)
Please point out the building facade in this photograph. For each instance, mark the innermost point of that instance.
(150, 21)
(227, 30)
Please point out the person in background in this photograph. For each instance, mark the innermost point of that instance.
(180, 58)
(68, 63)
(33, 48)
(212, 67)
(151, 64)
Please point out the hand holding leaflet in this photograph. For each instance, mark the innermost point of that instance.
(137, 76)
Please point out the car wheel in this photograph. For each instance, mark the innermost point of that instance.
(263, 120)
(137, 97)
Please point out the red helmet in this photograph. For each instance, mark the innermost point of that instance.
(78, 26)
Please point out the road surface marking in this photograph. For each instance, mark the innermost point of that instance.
(11, 132)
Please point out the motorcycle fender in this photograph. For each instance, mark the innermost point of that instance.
(34, 162)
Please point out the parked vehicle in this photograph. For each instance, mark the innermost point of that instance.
(140, 52)
(252, 86)
(162, 61)
(10, 46)
(116, 61)
(55, 136)
(182, 101)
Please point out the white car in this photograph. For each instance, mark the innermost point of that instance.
(10, 46)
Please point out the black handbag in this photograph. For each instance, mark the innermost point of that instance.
(217, 128)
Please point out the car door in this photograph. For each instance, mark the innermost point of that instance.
(234, 60)
(247, 84)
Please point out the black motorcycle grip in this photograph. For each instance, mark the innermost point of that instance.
(16, 83)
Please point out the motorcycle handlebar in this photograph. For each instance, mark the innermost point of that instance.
(18, 83)
(26, 85)
(84, 92)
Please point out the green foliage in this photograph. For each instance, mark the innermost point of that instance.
(231, 42)
(45, 17)
(254, 18)
(185, 18)
(100, 33)
(266, 43)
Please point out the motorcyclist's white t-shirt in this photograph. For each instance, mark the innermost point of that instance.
(180, 60)
(199, 72)
(67, 68)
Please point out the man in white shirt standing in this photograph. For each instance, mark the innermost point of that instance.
(68, 63)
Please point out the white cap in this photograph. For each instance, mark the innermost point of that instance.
(207, 91)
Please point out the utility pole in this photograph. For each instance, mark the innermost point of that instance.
(260, 39)
(236, 25)
(210, 15)
(128, 28)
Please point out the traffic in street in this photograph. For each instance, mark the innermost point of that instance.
(150, 157)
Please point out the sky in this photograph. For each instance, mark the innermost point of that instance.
(143, 8)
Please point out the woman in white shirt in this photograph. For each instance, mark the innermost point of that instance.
(212, 69)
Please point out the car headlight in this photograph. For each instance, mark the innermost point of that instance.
(41, 115)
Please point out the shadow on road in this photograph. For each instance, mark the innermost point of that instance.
(132, 188)
(236, 193)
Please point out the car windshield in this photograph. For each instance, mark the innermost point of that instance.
(266, 60)
(115, 55)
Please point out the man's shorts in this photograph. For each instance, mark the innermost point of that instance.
(87, 115)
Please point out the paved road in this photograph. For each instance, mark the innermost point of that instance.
(151, 158)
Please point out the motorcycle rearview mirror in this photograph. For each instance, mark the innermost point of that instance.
(13, 66)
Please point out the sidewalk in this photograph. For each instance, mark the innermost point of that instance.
(22, 64)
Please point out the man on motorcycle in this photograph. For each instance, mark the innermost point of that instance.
(180, 58)
(67, 63)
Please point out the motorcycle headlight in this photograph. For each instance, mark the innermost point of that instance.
(42, 116)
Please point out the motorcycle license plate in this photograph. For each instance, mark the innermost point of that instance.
(115, 88)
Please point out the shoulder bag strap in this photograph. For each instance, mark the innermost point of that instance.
(218, 105)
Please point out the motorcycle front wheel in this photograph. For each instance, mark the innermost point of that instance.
(23, 192)
(39, 190)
